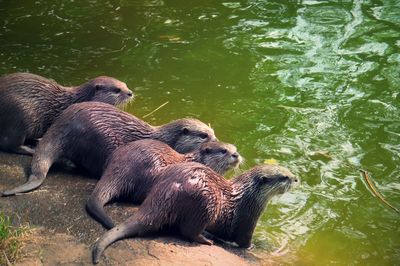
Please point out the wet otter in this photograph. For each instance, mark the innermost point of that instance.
(132, 170)
(30, 103)
(193, 198)
(87, 133)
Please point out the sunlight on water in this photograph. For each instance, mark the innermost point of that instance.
(312, 84)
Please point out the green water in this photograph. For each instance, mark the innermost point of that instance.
(312, 84)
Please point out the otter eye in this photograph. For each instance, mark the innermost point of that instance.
(224, 151)
(185, 131)
(98, 87)
(203, 135)
(265, 179)
(116, 90)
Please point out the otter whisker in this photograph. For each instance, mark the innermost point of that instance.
(237, 171)
(244, 163)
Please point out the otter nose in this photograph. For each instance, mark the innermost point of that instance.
(296, 179)
(235, 155)
(130, 93)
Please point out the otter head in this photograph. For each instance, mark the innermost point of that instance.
(185, 135)
(219, 156)
(259, 184)
(108, 90)
(271, 180)
(252, 191)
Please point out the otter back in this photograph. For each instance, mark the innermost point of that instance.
(29, 104)
(87, 133)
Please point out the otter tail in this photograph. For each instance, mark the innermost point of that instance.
(32, 184)
(133, 226)
(95, 207)
(113, 184)
(42, 160)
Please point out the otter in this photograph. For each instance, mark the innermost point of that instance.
(193, 198)
(87, 133)
(132, 170)
(30, 103)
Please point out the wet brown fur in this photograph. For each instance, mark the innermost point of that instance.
(30, 103)
(133, 170)
(87, 133)
(193, 198)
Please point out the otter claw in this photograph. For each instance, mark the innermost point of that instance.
(203, 240)
(250, 247)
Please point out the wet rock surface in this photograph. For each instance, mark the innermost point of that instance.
(64, 232)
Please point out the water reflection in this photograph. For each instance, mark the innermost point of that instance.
(333, 74)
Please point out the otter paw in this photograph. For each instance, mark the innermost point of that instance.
(203, 240)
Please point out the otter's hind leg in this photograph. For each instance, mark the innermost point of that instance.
(115, 183)
(25, 150)
(13, 131)
(133, 226)
(192, 229)
(46, 154)
(13, 140)
(101, 195)
(153, 214)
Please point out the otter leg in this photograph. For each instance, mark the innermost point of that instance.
(192, 229)
(113, 184)
(12, 141)
(25, 150)
(42, 160)
(101, 195)
(32, 142)
(244, 241)
(133, 226)
(203, 240)
(67, 164)
(13, 132)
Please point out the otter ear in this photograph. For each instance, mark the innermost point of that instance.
(90, 92)
(97, 87)
(185, 131)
